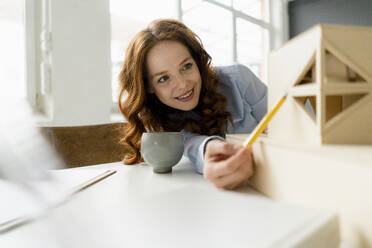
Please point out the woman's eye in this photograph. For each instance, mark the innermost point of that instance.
(187, 66)
(163, 79)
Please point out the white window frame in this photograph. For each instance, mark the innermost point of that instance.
(35, 15)
(38, 45)
(240, 14)
(30, 56)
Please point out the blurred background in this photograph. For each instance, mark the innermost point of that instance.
(64, 56)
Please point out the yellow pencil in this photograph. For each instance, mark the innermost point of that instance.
(263, 123)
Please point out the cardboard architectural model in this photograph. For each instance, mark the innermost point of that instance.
(327, 72)
(334, 177)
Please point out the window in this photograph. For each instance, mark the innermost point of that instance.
(252, 47)
(12, 49)
(214, 31)
(233, 31)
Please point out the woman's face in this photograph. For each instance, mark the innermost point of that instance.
(173, 75)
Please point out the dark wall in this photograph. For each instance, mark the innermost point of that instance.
(304, 14)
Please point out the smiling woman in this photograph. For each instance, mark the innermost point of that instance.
(155, 87)
(170, 85)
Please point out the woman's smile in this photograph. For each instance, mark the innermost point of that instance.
(187, 96)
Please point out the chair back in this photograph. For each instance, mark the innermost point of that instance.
(87, 145)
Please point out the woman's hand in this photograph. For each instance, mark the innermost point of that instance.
(227, 165)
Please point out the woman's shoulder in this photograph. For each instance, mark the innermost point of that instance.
(236, 74)
(242, 78)
(230, 69)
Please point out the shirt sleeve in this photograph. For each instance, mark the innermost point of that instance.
(255, 92)
(194, 146)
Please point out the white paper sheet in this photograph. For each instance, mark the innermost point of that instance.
(26, 201)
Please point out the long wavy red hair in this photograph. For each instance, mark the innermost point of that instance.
(144, 112)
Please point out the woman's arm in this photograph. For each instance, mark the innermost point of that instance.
(224, 164)
(194, 148)
(227, 165)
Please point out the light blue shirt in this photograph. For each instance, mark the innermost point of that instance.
(246, 101)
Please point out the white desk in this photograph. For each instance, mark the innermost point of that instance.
(137, 208)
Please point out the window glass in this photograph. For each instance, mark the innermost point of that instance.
(252, 46)
(215, 31)
(12, 49)
(254, 8)
(189, 4)
(127, 18)
(225, 2)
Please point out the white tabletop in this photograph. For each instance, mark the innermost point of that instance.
(138, 208)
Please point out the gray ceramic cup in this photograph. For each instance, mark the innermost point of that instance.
(162, 150)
